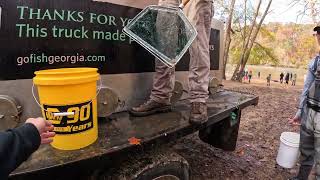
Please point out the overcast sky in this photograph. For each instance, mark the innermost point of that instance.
(283, 12)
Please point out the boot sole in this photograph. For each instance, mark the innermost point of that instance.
(197, 122)
(153, 111)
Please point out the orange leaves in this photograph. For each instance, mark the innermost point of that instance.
(240, 151)
(134, 141)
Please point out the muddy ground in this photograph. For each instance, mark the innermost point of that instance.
(258, 140)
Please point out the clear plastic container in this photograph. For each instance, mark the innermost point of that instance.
(164, 31)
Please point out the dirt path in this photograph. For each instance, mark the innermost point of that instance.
(258, 139)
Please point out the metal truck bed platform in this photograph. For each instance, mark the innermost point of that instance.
(114, 135)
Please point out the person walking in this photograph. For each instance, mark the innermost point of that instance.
(268, 80)
(308, 115)
(294, 79)
(243, 74)
(250, 75)
(281, 77)
(246, 75)
(200, 14)
(287, 78)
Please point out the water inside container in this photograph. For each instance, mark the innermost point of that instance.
(163, 31)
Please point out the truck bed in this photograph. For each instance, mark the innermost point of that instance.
(114, 134)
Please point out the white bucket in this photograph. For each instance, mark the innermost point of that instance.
(289, 149)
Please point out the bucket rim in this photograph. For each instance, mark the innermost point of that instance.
(66, 71)
(66, 76)
(294, 141)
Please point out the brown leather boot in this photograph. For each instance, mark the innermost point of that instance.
(150, 107)
(198, 113)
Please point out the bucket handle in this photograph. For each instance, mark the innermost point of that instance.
(63, 113)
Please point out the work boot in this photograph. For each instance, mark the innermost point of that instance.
(150, 107)
(303, 174)
(198, 113)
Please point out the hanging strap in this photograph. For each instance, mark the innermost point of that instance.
(316, 64)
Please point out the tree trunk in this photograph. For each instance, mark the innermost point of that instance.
(243, 33)
(237, 72)
(255, 34)
(228, 39)
(245, 54)
(245, 24)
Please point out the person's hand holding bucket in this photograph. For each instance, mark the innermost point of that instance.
(45, 129)
(296, 121)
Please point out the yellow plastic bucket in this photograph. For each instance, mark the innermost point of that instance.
(68, 99)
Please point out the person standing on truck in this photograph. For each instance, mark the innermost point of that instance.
(200, 14)
(16, 145)
(308, 115)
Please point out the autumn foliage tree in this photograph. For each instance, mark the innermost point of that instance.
(249, 40)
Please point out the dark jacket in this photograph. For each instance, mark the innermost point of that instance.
(281, 76)
(16, 145)
(287, 77)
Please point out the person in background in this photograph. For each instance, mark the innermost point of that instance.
(243, 74)
(290, 76)
(281, 77)
(268, 80)
(287, 78)
(294, 79)
(246, 75)
(308, 116)
(259, 74)
(16, 145)
(200, 14)
(250, 75)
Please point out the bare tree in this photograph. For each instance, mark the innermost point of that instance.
(311, 9)
(244, 32)
(314, 12)
(252, 35)
(246, 41)
(228, 38)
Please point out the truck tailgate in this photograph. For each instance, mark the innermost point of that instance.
(114, 135)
